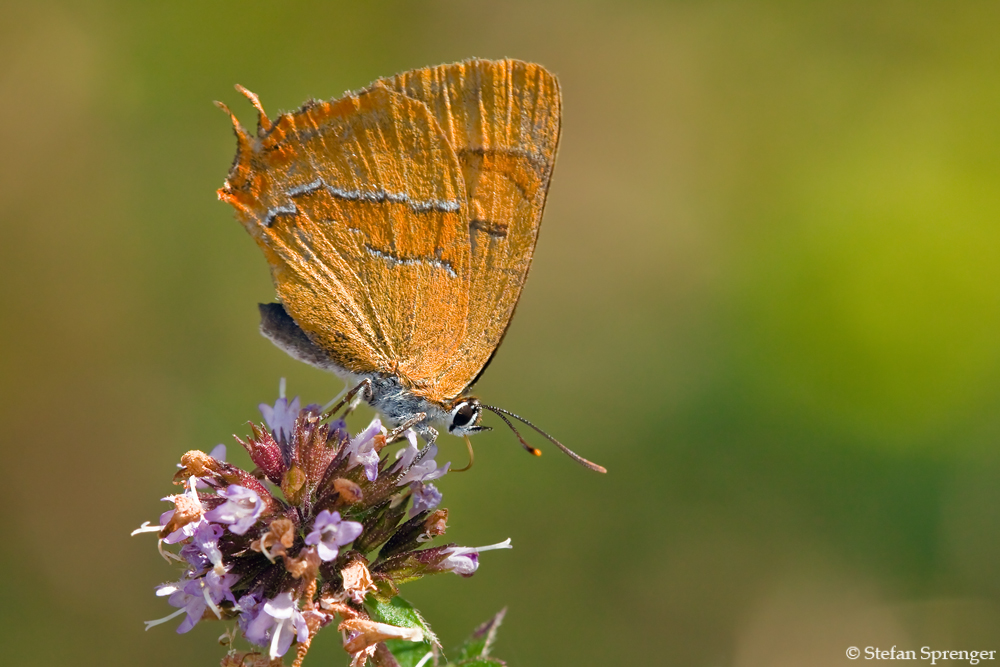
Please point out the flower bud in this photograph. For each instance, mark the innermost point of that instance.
(349, 492)
(293, 484)
(199, 464)
(265, 453)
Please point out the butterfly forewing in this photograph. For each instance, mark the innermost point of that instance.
(359, 205)
(502, 119)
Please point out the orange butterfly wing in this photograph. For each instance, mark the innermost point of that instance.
(502, 118)
(359, 206)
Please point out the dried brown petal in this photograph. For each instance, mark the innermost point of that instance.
(284, 531)
(361, 658)
(436, 523)
(413, 532)
(187, 509)
(279, 537)
(306, 565)
(336, 606)
(357, 580)
(371, 633)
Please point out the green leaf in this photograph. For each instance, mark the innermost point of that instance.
(408, 654)
(479, 662)
(401, 613)
(479, 643)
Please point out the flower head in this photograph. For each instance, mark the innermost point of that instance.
(343, 523)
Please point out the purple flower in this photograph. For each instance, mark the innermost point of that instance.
(194, 596)
(424, 470)
(406, 455)
(329, 533)
(281, 417)
(250, 607)
(361, 450)
(425, 497)
(275, 622)
(464, 561)
(203, 551)
(241, 510)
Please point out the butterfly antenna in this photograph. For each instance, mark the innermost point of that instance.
(500, 412)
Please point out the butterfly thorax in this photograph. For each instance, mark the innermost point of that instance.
(399, 404)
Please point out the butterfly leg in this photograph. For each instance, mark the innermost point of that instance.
(408, 424)
(362, 392)
(428, 433)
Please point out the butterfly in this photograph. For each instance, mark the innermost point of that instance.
(399, 224)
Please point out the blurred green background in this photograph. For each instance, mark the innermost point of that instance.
(766, 296)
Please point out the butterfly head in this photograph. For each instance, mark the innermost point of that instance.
(464, 416)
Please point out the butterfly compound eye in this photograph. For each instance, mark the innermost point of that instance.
(464, 415)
